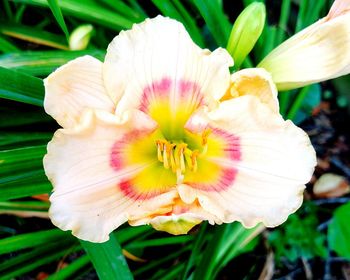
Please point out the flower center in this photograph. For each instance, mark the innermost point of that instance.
(177, 156)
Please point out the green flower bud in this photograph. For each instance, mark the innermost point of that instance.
(246, 31)
(80, 37)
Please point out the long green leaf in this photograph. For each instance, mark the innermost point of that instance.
(108, 259)
(216, 20)
(6, 46)
(71, 270)
(29, 240)
(35, 183)
(45, 256)
(19, 138)
(89, 11)
(34, 35)
(21, 87)
(42, 63)
(56, 11)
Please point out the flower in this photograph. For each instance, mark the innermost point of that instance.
(319, 52)
(160, 133)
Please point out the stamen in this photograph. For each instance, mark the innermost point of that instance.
(194, 155)
(205, 135)
(159, 152)
(177, 155)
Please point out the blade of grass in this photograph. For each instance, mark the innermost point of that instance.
(71, 270)
(34, 35)
(158, 263)
(196, 250)
(206, 266)
(15, 116)
(25, 208)
(88, 11)
(39, 206)
(21, 87)
(8, 9)
(22, 138)
(25, 187)
(136, 6)
(123, 9)
(21, 159)
(19, 13)
(282, 25)
(30, 240)
(56, 11)
(6, 46)
(216, 20)
(160, 242)
(21, 259)
(127, 234)
(297, 103)
(42, 63)
(108, 259)
(40, 260)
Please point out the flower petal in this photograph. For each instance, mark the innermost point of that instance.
(276, 161)
(254, 81)
(157, 60)
(87, 197)
(180, 218)
(74, 87)
(319, 52)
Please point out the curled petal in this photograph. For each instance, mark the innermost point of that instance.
(180, 218)
(275, 161)
(87, 197)
(74, 87)
(157, 60)
(318, 53)
(254, 81)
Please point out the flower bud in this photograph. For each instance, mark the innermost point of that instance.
(80, 37)
(246, 31)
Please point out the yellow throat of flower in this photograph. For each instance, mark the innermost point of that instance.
(177, 155)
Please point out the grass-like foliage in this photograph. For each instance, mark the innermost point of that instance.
(35, 38)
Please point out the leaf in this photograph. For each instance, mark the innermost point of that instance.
(298, 237)
(56, 11)
(25, 208)
(23, 138)
(37, 257)
(34, 35)
(108, 259)
(216, 20)
(89, 11)
(30, 240)
(21, 87)
(71, 270)
(306, 100)
(227, 242)
(6, 46)
(339, 231)
(42, 63)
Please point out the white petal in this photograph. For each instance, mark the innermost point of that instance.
(74, 87)
(160, 49)
(87, 198)
(317, 53)
(276, 161)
